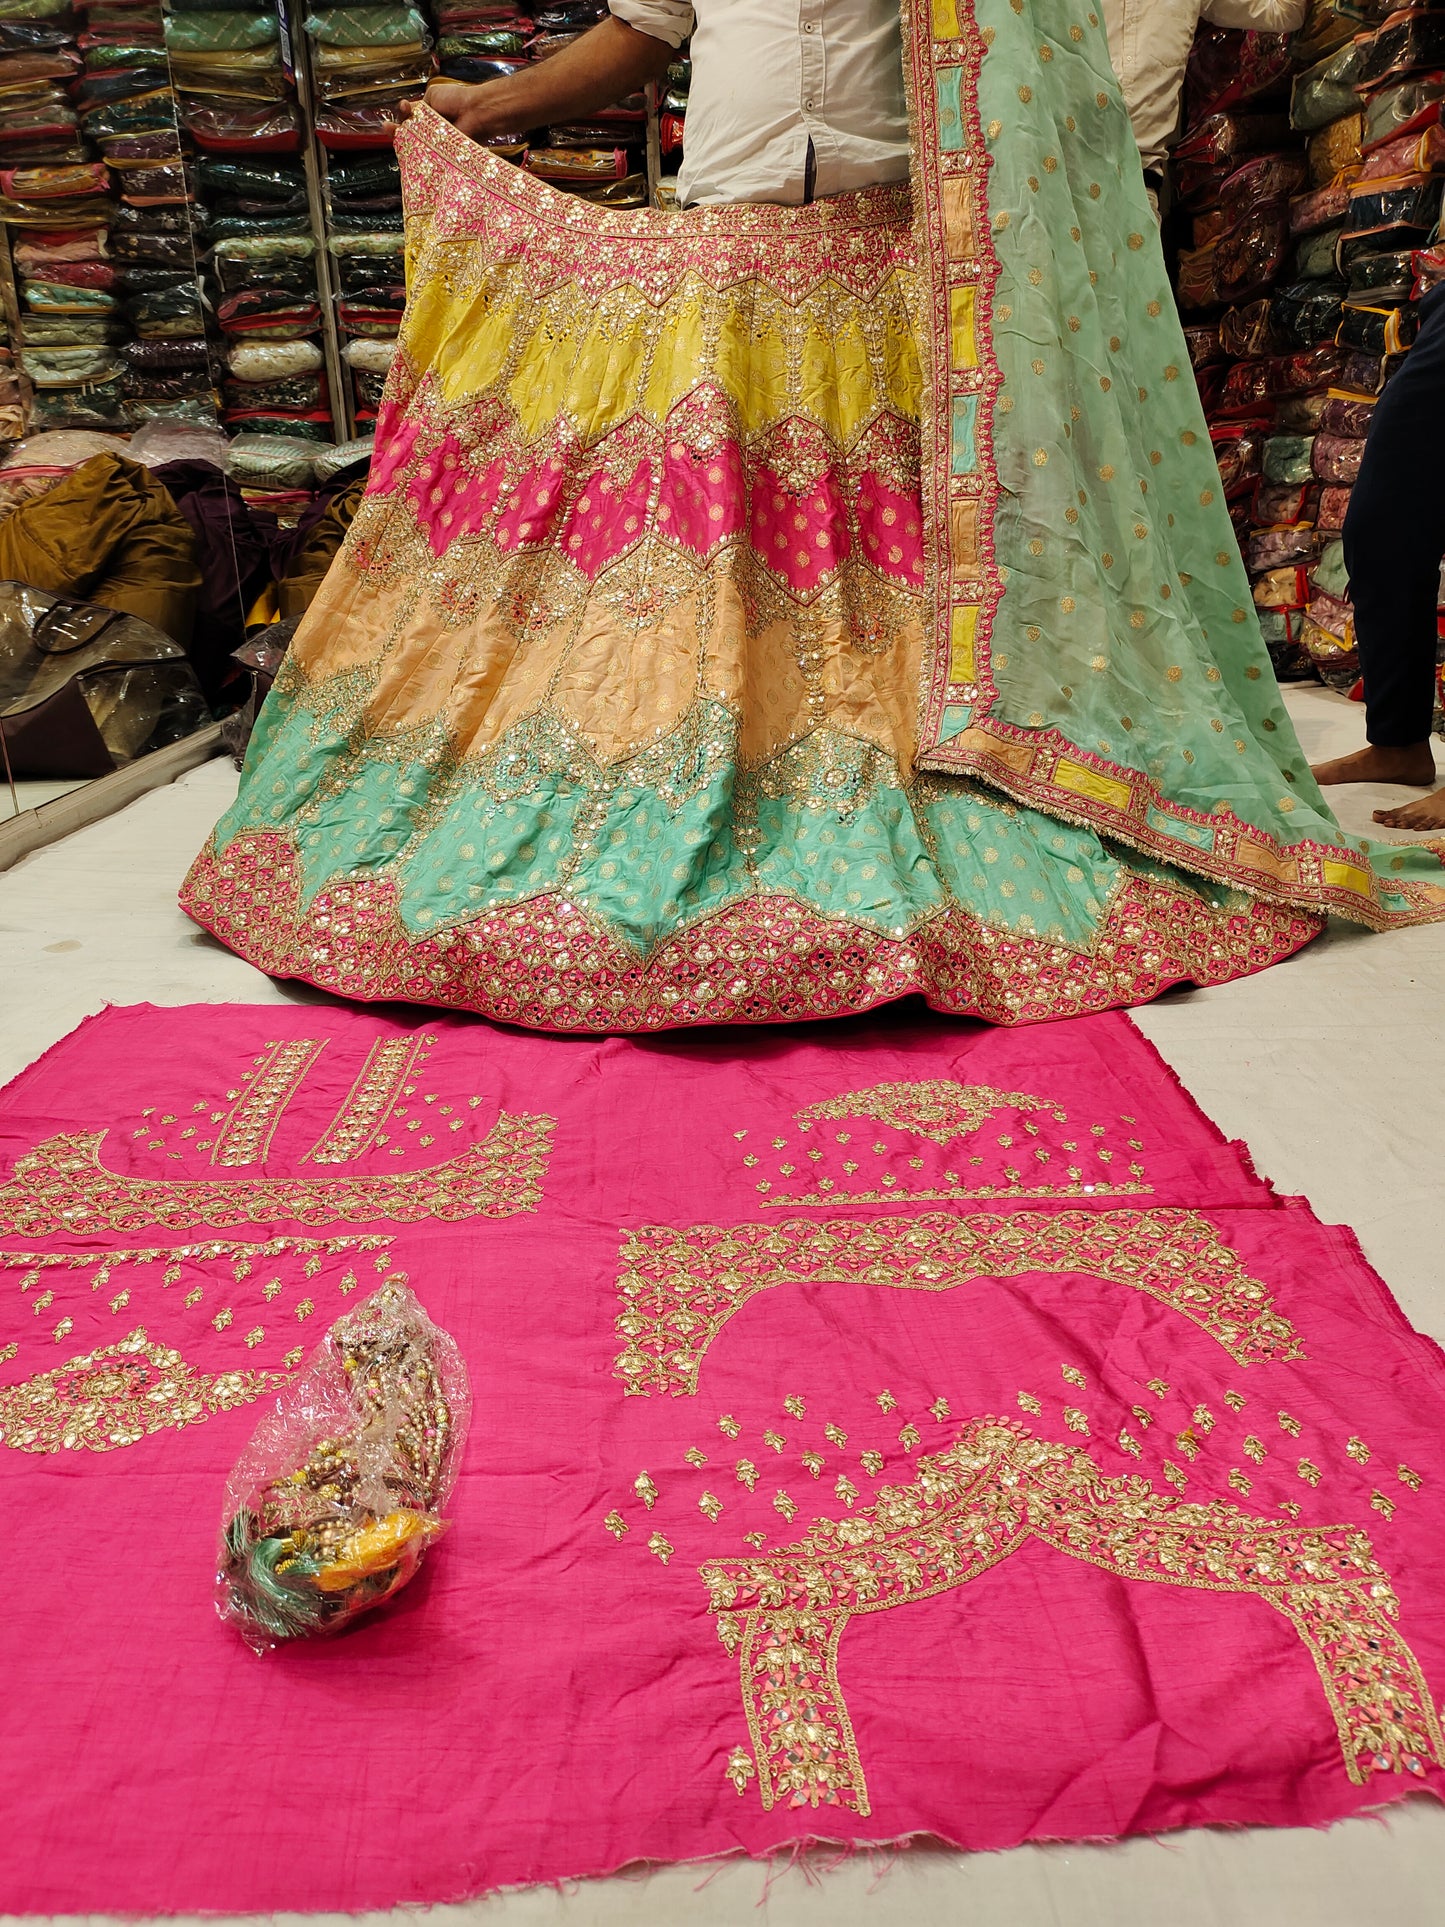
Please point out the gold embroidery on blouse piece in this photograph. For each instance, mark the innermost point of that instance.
(118, 1395)
(939, 1108)
(250, 1124)
(967, 1509)
(679, 1286)
(379, 1084)
(62, 1187)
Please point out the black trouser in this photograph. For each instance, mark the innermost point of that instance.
(1395, 538)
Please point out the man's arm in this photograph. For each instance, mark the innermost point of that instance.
(604, 65)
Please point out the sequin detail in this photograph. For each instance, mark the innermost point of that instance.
(784, 1614)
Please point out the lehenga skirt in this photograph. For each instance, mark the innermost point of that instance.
(760, 613)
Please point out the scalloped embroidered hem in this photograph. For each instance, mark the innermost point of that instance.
(546, 965)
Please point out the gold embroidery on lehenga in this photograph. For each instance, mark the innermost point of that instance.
(679, 1286)
(379, 1084)
(118, 1395)
(62, 1187)
(249, 1126)
(972, 1505)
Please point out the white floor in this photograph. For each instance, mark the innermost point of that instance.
(1329, 1066)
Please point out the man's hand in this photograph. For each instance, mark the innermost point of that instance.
(604, 66)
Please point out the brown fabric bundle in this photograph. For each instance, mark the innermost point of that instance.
(111, 534)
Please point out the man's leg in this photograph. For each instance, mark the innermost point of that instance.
(1394, 539)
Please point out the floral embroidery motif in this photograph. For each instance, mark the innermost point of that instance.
(118, 1395)
(241, 1256)
(969, 1507)
(380, 1082)
(62, 1186)
(679, 1287)
(249, 1126)
(939, 1108)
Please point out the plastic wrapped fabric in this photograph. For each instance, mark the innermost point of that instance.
(144, 114)
(361, 179)
(246, 227)
(217, 32)
(1335, 459)
(253, 181)
(180, 310)
(151, 385)
(297, 394)
(81, 274)
(1306, 312)
(32, 255)
(387, 83)
(1330, 90)
(69, 330)
(1335, 147)
(159, 250)
(1322, 206)
(54, 183)
(333, 1504)
(195, 410)
(70, 367)
(1248, 258)
(368, 390)
(1326, 27)
(1203, 344)
(1408, 43)
(124, 151)
(1282, 588)
(1328, 633)
(491, 41)
(259, 361)
(1422, 152)
(1284, 505)
(1314, 255)
(343, 458)
(630, 191)
(1198, 286)
(1239, 454)
(1407, 106)
(1348, 416)
(97, 91)
(262, 307)
(371, 27)
(1246, 331)
(157, 220)
(1306, 370)
(1411, 201)
(1385, 278)
(169, 356)
(1259, 179)
(373, 358)
(1207, 226)
(1377, 331)
(1277, 548)
(1287, 459)
(348, 128)
(1300, 415)
(232, 129)
(54, 297)
(145, 277)
(170, 184)
(1329, 576)
(30, 36)
(84, 690)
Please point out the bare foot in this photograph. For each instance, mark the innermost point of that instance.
(1427, 814)
(1377, 764)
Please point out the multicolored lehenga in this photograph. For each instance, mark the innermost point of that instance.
(761, 613)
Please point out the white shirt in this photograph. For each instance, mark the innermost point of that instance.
(1149, 42)
(770, 75)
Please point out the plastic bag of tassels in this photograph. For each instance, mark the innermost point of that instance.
(331, 1507)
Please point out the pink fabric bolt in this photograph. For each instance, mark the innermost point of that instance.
(1045, 1475)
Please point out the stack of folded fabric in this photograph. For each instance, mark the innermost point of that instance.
(55, 203)
(364, 223)
(601, 159)
(1291, 370)
(263, 269)
(365, 61)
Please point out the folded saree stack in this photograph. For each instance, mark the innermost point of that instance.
(1311, 173)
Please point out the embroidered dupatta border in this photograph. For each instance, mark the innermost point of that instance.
(943, 52)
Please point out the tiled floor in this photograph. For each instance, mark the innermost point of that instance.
(1329, 1066)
